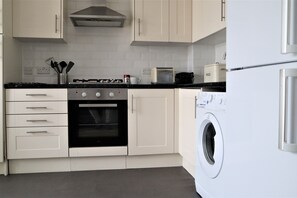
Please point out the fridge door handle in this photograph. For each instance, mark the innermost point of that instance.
(289, 27)
(287, 110)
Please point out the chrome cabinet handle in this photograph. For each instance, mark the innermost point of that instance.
(34, 132)
(289, 38)
(132, 104)
(56, 23)
(223, 5)
(36, 94)
(138, 26)
(36, 120)
(36, 107)
(195, 107)
(97, 105)
(287, 108)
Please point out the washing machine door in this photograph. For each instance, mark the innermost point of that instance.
(210, 146)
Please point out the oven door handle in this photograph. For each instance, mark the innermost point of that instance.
(97, 105)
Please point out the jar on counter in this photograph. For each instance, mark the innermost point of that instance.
(127, 78)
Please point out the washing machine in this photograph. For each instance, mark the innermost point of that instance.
(210, 128)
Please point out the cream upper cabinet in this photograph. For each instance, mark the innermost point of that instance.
(162, 20)
(151, 20)
(208, 17)
(180, 21)
(38, 18)
(150, 121)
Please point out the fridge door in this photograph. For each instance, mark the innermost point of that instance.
(254, 32)
(1, 102)
(254, 164)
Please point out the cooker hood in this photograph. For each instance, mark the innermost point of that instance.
(97, 16)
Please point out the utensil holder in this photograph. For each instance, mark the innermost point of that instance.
(62, 78)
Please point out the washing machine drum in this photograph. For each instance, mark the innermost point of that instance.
(210, 146)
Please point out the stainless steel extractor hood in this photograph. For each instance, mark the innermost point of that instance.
(97, 16)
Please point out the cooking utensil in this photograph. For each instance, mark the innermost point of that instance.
(57, 66)
(53, 66)
(63, 65)
(69, 66)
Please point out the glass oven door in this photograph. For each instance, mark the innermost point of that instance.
(97, 123)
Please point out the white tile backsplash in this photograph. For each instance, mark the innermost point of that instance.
(100, 52)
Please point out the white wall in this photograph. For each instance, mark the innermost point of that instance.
(106, 52)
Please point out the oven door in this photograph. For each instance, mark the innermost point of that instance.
(97, 123)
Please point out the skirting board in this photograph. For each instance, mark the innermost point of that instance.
(1, 169)
(153, 161)
(189, 167)
(93, 163)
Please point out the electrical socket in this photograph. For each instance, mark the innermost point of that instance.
(43, 70)
(146, 71)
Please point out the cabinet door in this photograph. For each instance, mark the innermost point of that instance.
(208, 17)
(37, 142)
(213, 16)
(150, 121)
(186, 119)
(37, 18)
(151, 20)
(180, 21)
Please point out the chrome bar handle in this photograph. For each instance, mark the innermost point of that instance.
(195, 107)
(287, 126)
(288, 24)
(36, 94)
(56, 23)
(34, 132)
(138, 26)
(223, 5)
(36, 120)
(132, 104)
(97, 105)
(36, 107)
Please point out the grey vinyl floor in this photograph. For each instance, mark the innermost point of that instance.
(135, 183)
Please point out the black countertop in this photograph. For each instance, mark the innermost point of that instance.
(218, 86)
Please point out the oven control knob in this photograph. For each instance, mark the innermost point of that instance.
(111, 94)
(84, 94)
(98, 94)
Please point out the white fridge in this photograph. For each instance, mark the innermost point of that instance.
(261, 137)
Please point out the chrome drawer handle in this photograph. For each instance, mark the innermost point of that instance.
(36, 107)
(36, 94)
(33, 132)
(36, 120)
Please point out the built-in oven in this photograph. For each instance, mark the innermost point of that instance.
(97, 117)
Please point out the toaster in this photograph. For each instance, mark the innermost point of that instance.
(184, 78)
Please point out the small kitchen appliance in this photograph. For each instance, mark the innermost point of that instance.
(215, 73)
(162, 75)
(184, 78)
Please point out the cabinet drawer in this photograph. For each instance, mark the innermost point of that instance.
(37, 142)
(36, 120)
(36, 107)
(36, 94)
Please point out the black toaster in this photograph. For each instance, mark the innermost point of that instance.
(184, 78)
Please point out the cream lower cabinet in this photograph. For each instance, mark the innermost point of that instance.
(150, 121)
(39, 19)
(36, 123)
(186, 123)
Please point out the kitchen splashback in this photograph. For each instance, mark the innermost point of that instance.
(106, 52)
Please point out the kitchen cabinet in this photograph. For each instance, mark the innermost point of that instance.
(39, 19)
(150, 121)
(208, 17)
(162, 20)
(186, 123)
(36, 123)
